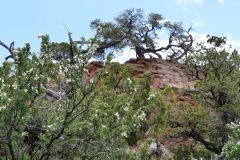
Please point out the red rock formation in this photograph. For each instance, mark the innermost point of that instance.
(162, 72)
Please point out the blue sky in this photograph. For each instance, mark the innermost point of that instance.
(22, 21)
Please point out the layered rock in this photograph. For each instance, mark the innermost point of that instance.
(163, 73)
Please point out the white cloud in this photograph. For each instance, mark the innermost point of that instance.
(124, 56)
(197, 20)
(187, 2)
(198, 1)
(233, 42)
(128, 53)
(221, 2)
(196, 23)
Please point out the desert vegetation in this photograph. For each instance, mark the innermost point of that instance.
(52, 105)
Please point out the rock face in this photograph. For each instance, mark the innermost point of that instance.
(155, 149)
(162, 72)
(158, 150)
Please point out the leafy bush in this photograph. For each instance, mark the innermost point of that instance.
(82, 118)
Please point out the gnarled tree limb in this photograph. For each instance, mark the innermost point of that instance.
(10, 49)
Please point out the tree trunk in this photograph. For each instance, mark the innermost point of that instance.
(139, 52)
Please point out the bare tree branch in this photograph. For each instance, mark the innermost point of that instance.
(10, 49)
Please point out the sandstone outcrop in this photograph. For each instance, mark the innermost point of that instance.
(162, 72)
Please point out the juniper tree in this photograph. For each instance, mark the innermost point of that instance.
(216, 69)
(132, 30)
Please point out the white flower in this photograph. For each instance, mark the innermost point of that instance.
(151, 96)
(142, 116)
(65, 69)
(16, 56)
(2, 108)
(30, 70)
(41, 61)
(24, 134)
(124, 134)
(129, 80)
(25, 90)
(91, 81)
(4, 94)
(95, 46)
(16, 51)
(68, 80)
(99, 27)
(125, 108)
(15, 86)
(51, 126)
(117, 115)
(36, 91)
(36, 78)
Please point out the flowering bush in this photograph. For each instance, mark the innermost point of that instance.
(74, 118)
(231, 149)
